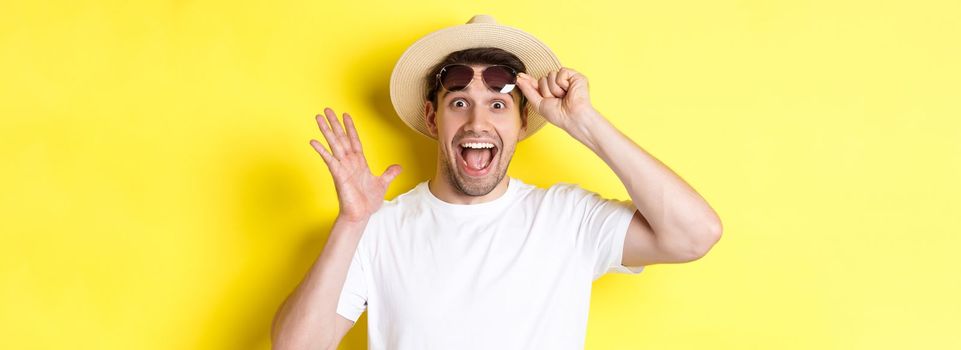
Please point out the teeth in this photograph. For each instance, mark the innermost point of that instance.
(477, 145)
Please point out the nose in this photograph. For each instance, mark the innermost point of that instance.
(478, 120)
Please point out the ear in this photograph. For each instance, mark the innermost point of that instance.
(430, 116)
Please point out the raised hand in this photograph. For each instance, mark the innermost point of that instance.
(360, 192)
(561, 96)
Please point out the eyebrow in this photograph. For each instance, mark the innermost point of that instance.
(461, 93)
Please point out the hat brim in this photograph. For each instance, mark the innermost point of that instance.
(408, 88)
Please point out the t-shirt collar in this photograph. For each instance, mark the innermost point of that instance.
(471, 209)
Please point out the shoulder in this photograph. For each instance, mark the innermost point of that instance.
(570, 192)
(388, 217)
(558, 188)
(401, 205)
(565, 188)
(577, 196)
(560, 195)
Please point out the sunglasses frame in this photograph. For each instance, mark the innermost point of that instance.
(440, 83)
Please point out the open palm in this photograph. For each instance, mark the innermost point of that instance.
(360, 192)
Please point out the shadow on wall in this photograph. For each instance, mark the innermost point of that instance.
(372, 73)
(275, 218)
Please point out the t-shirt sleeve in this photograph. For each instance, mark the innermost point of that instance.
(353, 297)
(604, 225)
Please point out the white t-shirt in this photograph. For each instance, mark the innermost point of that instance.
(512, 273)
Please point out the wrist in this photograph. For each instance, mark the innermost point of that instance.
(351, 221)
(584, 126)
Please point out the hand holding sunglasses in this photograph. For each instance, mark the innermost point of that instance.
(561, 97)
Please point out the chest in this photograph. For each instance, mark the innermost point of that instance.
(442, 273)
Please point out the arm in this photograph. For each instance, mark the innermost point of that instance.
(673, 223)
(308, 318)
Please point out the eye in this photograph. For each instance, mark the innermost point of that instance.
(499, 105)
(459, 103)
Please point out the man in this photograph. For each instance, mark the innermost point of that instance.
(473, 259)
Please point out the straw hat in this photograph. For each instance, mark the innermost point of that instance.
(408, 90)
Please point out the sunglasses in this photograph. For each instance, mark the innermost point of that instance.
(455, 77)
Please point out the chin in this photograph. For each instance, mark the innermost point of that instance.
(477, 187)
(470, 182)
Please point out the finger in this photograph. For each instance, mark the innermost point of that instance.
(328, 158)
(527, 85)
(552, 84)
(564, 78)
(352, 133)
(532, 81)
(578, 79)
(332, 140)
(338, 130)
(544, 89)
(391, 173)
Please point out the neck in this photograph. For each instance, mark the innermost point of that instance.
(441, 187)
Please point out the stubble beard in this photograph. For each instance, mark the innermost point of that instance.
(476, 188)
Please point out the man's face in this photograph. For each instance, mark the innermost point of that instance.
(476, 130)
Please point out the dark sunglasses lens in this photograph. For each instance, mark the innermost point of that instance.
(456, 77)
(500, 78)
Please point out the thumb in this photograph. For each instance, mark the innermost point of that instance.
(529, 88)
(391, 173)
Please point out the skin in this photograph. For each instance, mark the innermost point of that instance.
(308, 317)
(672, 223)
(474, 112)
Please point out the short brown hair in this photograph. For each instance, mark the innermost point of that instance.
(477, 55)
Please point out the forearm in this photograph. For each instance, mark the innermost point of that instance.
(678, 215)
(306, 319)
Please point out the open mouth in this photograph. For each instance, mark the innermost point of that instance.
(477, 158)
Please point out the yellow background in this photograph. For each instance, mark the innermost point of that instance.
(158, 191)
